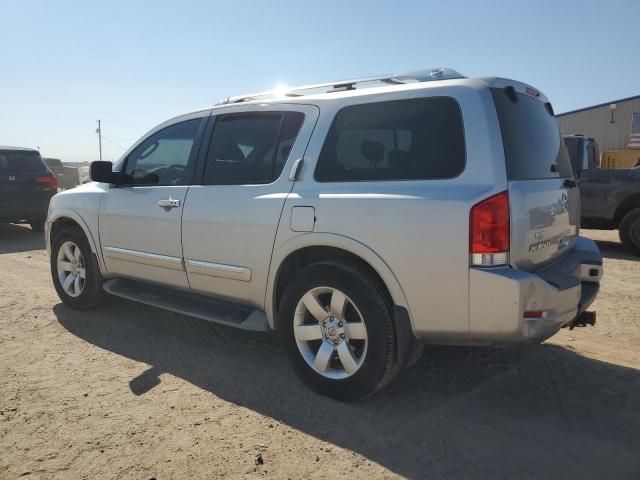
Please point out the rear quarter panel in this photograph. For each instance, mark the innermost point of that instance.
(419, 229)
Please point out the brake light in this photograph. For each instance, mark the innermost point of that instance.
(489, 231)
(50, 180)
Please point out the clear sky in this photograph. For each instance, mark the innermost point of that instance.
(133, 64)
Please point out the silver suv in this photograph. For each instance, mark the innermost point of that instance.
(359, 219)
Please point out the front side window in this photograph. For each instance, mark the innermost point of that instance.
(250, 148)
(164, 157)
(415, 139)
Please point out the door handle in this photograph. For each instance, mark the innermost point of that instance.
(169, 203)
(295, 169)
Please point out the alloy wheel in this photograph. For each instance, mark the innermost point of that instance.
(71, 269)
(330, 333)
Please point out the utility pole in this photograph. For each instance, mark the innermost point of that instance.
(99, 132)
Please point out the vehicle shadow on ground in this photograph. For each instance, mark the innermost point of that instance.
(19, 238)
(615, 250)
(544, 412)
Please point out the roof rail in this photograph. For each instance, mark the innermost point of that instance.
(427, 75)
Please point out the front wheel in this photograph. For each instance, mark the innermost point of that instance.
(337, 328)
(74, 270)
(629, 231)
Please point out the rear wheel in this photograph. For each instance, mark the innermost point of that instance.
(74, 269)
(337, 329)
(629, 231)
(37, 226)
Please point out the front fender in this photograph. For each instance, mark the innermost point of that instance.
(77, 218)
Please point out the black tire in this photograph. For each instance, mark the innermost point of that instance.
(37, 226)
(629, 231)
(92, 294)
(379, 365)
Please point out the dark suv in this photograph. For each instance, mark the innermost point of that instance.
(26, 185)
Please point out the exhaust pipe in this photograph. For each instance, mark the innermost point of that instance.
(582, 320)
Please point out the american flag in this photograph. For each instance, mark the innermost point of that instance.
(634, 138)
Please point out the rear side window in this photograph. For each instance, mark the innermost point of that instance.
(533, 148)
(16, 161)
(250, 148)
(416, 139)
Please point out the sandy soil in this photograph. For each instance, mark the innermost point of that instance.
(134, 392)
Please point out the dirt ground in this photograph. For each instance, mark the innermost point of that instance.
(130, 391)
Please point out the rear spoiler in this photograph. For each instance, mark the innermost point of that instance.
(497, 82)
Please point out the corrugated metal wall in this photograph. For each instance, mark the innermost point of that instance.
(596, 123)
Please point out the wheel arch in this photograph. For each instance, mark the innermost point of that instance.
(625, 206)
(303, 250)
(64, 218)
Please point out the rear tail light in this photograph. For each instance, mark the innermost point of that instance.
(489, 231)
(49, 181)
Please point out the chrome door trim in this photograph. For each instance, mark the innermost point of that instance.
(222, 270)
(145, 258)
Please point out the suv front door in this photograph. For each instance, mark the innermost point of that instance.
(140, 218)
(230, 219)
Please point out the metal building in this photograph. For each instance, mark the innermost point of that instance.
(608, 123)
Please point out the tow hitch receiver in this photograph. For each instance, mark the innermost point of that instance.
(582, 320)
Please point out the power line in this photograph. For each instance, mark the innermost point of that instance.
(62, 135)
(48, 117)
(49, 134)
(113, 143)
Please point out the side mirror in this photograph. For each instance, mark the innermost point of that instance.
(101, 172)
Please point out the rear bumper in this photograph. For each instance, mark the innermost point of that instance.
(563, 290)
(15, 211)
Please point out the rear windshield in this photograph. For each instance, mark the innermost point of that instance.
(532, 144)
(16, 161)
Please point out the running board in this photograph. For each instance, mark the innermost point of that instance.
(188, 303)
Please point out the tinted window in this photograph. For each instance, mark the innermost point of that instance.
(415, 139)
(577, 153)
(163, 158)
(17, 161)
(250, 148)
(532, 144)
(592, 156)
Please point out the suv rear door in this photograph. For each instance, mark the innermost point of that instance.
(544, 205)
(230, 219)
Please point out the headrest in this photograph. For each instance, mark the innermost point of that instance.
(372, 151)
(229, 151)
